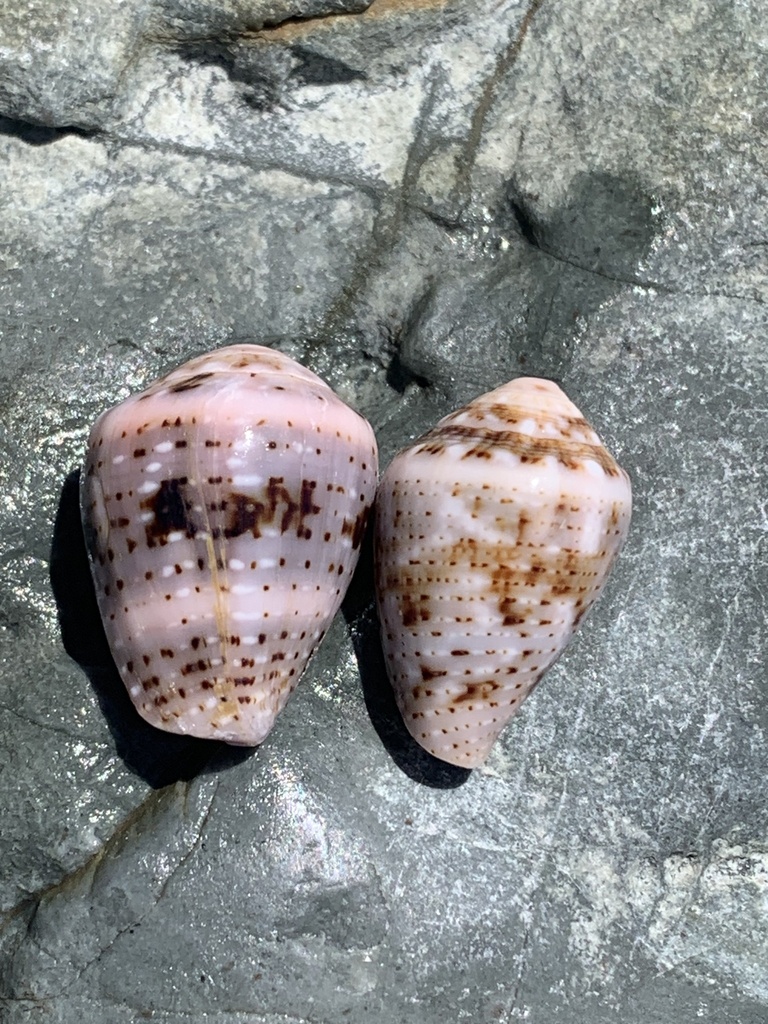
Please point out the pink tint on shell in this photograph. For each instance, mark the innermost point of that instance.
(224, 509)
(495, 533)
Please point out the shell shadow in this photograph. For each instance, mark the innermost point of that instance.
(359, 611)
(160, 758)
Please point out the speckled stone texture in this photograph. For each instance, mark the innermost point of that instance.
(418, 201)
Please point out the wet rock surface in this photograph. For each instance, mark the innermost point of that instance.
(419, 199)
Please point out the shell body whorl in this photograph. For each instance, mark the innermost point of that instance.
(224, 508)
(495, 533)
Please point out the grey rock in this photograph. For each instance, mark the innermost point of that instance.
(418, 199)
(223, 18)
(63, 64)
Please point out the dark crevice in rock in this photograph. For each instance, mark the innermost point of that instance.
(263, 81)
(399, 375)
(40, 134)
(268, 74)
(209, 28)
(318, 69)
(525, 223)
(400, 372)
(452, 224)
(309, 19)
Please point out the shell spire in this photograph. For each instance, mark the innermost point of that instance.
(224, 509)
(495, 533)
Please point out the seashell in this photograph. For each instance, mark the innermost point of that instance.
(224, 509)
(495, 533)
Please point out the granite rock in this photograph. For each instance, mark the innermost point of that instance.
(63, 63)
(418, 199)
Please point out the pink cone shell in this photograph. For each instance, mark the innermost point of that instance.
(224, 509)
(495, 533)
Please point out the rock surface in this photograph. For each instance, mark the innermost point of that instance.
(418, 199)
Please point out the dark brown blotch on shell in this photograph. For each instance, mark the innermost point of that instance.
(562, 574)
(172, 508)
(247, 513)
(355, 528)
(189, 383)
(477, 691)
(481, 442)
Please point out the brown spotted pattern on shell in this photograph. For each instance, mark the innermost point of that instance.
(224, 509)
(495, 533)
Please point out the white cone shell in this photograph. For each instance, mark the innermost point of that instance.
(495, 533)
(224, 508)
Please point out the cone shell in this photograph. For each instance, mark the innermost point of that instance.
(495, 533)
(224, 509)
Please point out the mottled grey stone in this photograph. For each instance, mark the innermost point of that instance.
(62, 63)
(419, 200)
(228, 19)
